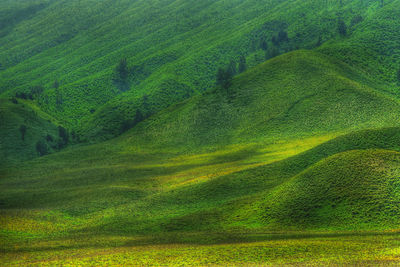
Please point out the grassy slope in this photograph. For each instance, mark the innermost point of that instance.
(38, 125)
(81, 50)
(298, 94)
(147, 181)
(258, 157)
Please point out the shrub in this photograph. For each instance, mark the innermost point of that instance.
(224, 78)
(342, 28)
(242, 64)
(41, 148)
(122, 69)
(22, 130)
(63, 134)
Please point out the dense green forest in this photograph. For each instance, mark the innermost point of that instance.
(212, 132)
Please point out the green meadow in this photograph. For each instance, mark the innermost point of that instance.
(119, 145)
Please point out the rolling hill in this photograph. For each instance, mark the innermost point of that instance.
(295, 162)
(80, 50)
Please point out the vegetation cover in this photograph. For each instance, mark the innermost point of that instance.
(182, 132)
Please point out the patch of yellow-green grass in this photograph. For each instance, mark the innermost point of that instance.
(309, 249)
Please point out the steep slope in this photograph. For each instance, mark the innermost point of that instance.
(173, 49)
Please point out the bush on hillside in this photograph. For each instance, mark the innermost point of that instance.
(342, 28)
(122, 69)
(272, 52)
(22, 130)
(224, 78)
(14, 100)
(63, 134)
(242, 64)
(41, 148)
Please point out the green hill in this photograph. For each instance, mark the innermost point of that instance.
(286, 165)
(173, 49)
(353, 190)
(23, 126)
(213, 154)
(299, 94)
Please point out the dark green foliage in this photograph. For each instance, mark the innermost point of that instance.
(272, 52)
(242, 64)
(63, 134)
(122, 69)
(356, 19)
(14, 100)
(224, 78)
(319, 41)
(49, 138)
(128, 124)
(282, 36)
(59, 99)
(24, 95)
(22, 130)
(138, 117)
(56, 84)
(264, 44)
(36, 91)
(42, 148)
(232, 68)
(275, 40)
(342, 28)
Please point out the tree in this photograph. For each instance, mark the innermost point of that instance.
(122, 69)
(319, 41)
(22, 130)
(242, 64)
(14, 100)
(36, 91)
(355, 20)
(275, 40)
(264, 45)
(232, 68)
(271, 52)
(41, 148)
(63, 134)
(342, 28)
(138, 117)
(56, 84)
(283, 36)
(59, 98)
(49, 138)
(145, 101)
(224, 78)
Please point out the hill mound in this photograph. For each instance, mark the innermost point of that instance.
(353, 190)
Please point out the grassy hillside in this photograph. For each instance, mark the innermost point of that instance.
(131, 199)
(355, 189)
(296, 162)
(23, 125)
(298, 94)
(214, 155)
(173, 50)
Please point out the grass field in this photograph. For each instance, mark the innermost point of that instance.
(296, 162)
(297, 249)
